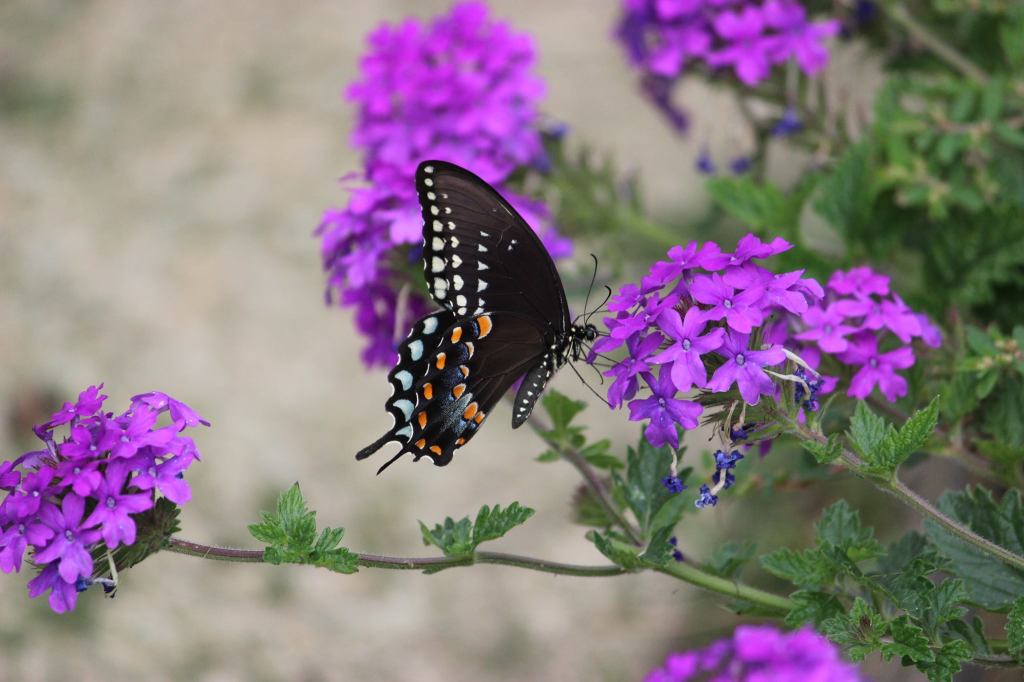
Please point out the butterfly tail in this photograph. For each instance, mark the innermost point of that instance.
(375, 446)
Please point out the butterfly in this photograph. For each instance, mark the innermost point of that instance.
(504, 316)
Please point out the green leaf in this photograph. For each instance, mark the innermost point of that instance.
(948, 661)
(658, 551)
(846, 196)
(990, 582)
(813, 607)
(290, 534)
(825, 453)
(598, 455)
(1015, 627)
(729, 558)
(859, 633)
(867, 430)
(461, 538)
(561, 409)
(548, 456)
(896, 446)
(908, 640)
(454, 538)
(491, 524)
(1004, 417)
(619, 553)
(760, 206)
(840, 527)
(588, 510)
(807, 569)
(643, 491)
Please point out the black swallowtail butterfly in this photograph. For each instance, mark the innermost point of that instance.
(504, 316)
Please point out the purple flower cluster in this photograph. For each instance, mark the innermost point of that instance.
(759, 654)
(460, 88)
(856, 320)
(663, 36)
(702, 301)
(61, 502)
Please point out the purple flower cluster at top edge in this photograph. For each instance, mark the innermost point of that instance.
(701, 301)
(85, 488)
(663, 38)
(857, 319)
(460, 88)
(759, 653)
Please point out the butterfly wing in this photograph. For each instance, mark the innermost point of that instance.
(457, 380)
(479, 255)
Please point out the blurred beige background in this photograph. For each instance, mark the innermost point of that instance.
(163, 166)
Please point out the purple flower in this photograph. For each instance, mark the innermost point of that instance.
(877, 368)
(760, 653)
(683, 260)
(796, 37)
(862, 282)
(91, 469)
(88, 402)
(63, 595)
(114, 507)
(706, 498)
(789, 124)
(664, 411)
(740, 309)
(689, 344)
(745, 368)
(71, 538)
(625, 385)
(459, 88)
(673, 484)
(747, 48)
(894, 315)
(826, 328)
(704, 164)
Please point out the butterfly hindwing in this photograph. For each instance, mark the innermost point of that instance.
(479, 255)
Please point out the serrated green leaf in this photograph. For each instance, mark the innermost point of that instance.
(658, 551)
(813, 607)
(945, 602)
(846, 196)
(291, 536)
(867, 430)
(728, 559)
(897, 445)
(598, 455)
(948, 661)
(642, 489)
(548, 456)
(908, 640)
(561, 409)
(454, 538)
(859, 633)
(1015, 627)
(840, 527)
(617, 552)
(807, 569)
(825, 453)
(990, 582)
(491, 524)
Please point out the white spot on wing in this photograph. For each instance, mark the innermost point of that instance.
(437, 243)
(405, 378)
(484, 234)
(480, 265)
(481, 248)
(460, 300)
(433, 210)
(458, 282)
(428, 169)
(430, 324)
(456, 261)
(436, 264)
(455, 241)
(405, 432)
(416, 349)
(405, 406)
(428, 182)
(437, 226)
(481, 285)
(431, 196)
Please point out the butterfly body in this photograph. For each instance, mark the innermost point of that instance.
(504, 316)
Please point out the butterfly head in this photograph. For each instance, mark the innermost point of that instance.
(578, 336)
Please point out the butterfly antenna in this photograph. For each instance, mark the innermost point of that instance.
(593, 278)
(607, 297)
(584, 382)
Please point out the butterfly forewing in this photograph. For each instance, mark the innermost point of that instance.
(504, 316)
(479, 255)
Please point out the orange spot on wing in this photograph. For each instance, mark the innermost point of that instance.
(459, 390)
(485, 324)
(436, 449)
(421, 443)
(464, 370)
(422, 418)
(428, 391)
(470, 411)
(469, 346)
(480, 416)
(441, 357)
(460, 442)
(456, 334)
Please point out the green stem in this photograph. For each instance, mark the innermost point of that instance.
(601, 493)
(410, 563)
(894, 486)
(690, 573)
(898, 12)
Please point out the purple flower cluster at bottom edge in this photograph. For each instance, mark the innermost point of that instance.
(85, 489)
(760, 653)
